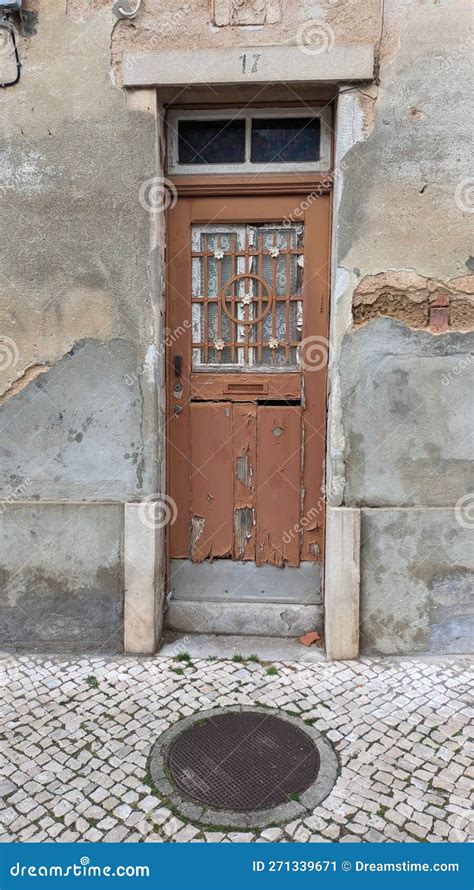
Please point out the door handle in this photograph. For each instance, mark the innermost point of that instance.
(178, 365)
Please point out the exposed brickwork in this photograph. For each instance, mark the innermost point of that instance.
(439, 314)
(418, 301)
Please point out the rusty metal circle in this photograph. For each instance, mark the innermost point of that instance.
(189, 770)
(268, 297)
(243, 761)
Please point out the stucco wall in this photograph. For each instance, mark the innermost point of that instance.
(401, 397)
(78, 404)
(61, 576)
(82, 282)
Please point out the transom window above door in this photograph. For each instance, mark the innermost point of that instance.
(247, 308)
(256, 140)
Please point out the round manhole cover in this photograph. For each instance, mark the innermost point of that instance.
(242, 767)
(243, 761)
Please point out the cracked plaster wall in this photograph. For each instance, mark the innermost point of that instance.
(190, 24)
(78, 413)
(80, 289)
(75, 250)
(401, 410)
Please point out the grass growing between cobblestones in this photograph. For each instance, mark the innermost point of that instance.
(92, 682)
(77, 733)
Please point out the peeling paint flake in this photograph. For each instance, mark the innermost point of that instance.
(243, 468)
(26, 378)
(197, 528)
(244, 522)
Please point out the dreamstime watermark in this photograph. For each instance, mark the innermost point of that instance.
(14, 495)
(156, 40)
(9, 353)
(464, 195)
(158, 511)
(315, 353)
(448, 62)
(123, 9)
(308, 520)
(315, 37)
(151, 822)
(464, 510)
(297, 214)
(81, 869)
(157, 194)
(458, 369)
(169, 337)
(179, 647)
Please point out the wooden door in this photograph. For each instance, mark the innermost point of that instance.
(246, 390)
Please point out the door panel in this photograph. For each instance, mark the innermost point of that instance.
(211, 533)
(279, 485)
(242, 387)
(247, 327)
(245, 483)
(244, 474)
(224, 580)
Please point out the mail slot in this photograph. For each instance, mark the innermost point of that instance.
(251, 388)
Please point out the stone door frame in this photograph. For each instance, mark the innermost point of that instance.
(144, 544)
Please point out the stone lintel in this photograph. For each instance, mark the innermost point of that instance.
(252, 64)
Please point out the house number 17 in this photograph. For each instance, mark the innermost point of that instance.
(250, 63)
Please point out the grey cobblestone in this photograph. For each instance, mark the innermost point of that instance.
(74, 764)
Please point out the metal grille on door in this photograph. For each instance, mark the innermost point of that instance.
(246, 295)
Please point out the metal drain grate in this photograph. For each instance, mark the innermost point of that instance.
(243, 761)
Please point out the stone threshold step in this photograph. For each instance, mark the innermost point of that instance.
(226, 646)
(243, 619)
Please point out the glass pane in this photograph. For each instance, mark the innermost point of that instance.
(252, 273)
(211, 142)
(283, 140)
(276, 245)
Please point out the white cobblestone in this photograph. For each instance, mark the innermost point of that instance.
(75, 757)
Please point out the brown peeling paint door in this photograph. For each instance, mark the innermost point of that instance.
(247, 329)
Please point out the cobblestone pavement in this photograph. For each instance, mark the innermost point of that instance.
(76, 733)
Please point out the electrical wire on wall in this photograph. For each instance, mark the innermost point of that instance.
(377, 59)
(7, 34)
(8, 27)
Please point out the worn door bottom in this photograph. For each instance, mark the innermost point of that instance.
(243, 582)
